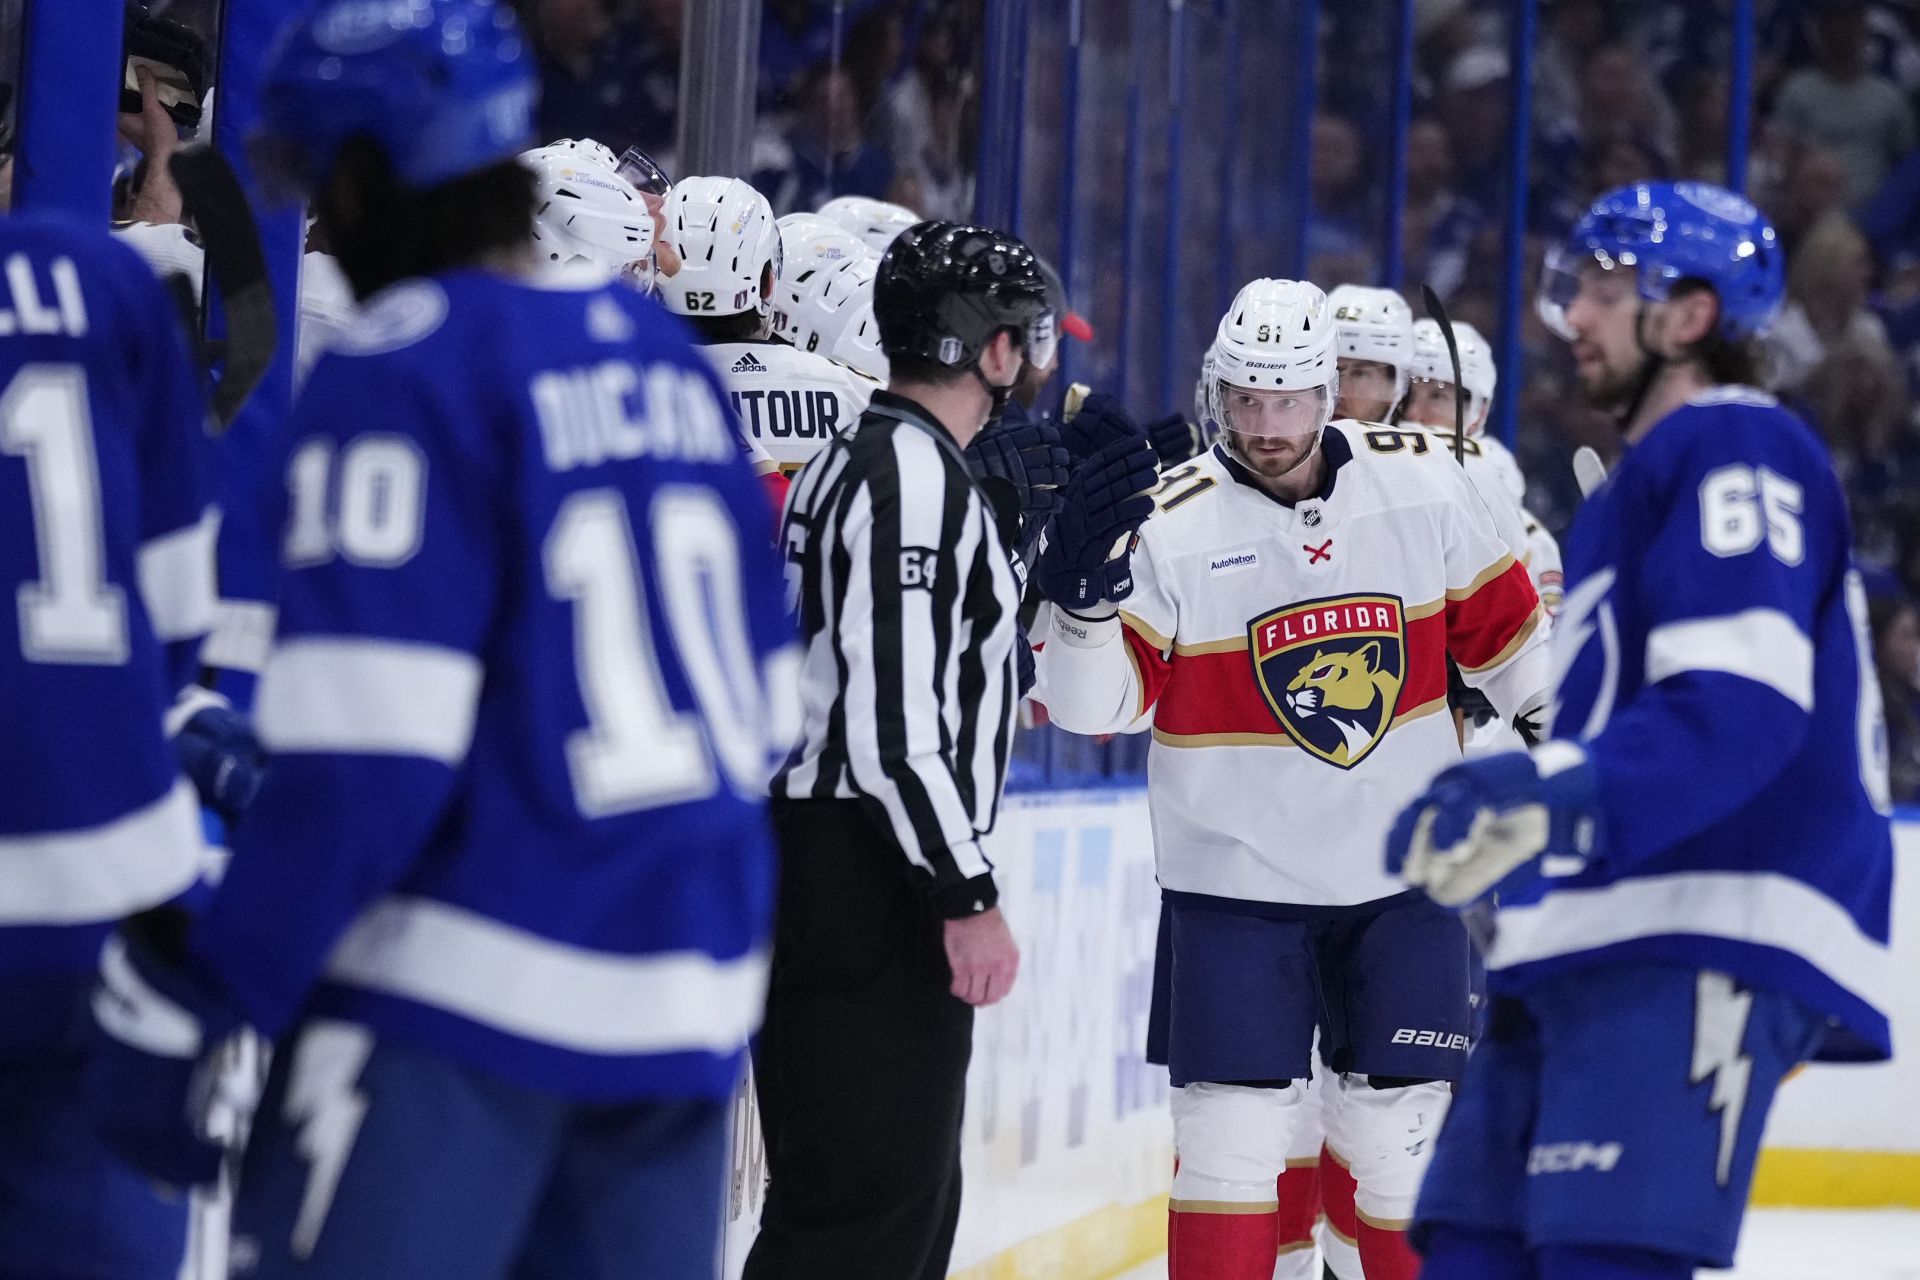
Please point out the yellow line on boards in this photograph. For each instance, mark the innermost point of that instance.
(1106, 1243)
(1813, 1179)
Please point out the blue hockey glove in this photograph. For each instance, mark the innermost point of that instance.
(1099, 423)
(1494, 825)
(220, 753)
(157, 1078)
(1024, 463)
(1023, 657)
(1087, 556)
(1175, 439)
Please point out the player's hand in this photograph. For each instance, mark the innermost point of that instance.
(666, 259)
(1029, 456)
(220, 752)
(1099, 423)
(1494, 825)
(1175, 439)
(983, 956)
(157, 137)
(156, 1077)
(1087, 557)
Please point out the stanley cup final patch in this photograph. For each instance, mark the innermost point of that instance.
(1331, 671)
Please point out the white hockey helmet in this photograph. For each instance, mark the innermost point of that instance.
(1376, 325)
(584, 211)
(809, 245)
(728, 243)
(586, 148)
(876, 222)
(1278, 335)
(835, 316)
(1431, 363)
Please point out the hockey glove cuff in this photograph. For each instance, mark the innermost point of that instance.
(221, 754)
(1494, 825)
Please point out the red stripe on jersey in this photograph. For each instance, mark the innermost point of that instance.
(1483, 627)
(1153, 667)
(1426, 663)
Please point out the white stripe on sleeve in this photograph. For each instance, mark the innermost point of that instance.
(372, 697)
(176, 573)
(1762, 645)
(103, 873)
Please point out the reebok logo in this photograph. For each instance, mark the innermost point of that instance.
(748, 363)
(1232, 562)
(1572, 1157)
(1437, 1039)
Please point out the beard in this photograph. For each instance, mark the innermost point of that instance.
(1272, 463)
(1608, 388)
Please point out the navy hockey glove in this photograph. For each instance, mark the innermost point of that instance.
(1099, 423)
(1175, 439)
(1087, 556)
(1025, 465)
(1497, 824)
(157, 1076)
(221, 754)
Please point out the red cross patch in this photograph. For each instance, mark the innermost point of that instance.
(1322, 552)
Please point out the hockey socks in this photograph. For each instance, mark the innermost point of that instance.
(1385, 1253)
(1299, 1193)
(1216, 1240)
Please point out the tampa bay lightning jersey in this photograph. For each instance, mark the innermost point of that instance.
(523, 700)
(106, 581)
(1712, 656)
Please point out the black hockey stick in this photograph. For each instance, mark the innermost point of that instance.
(211, 192)
(1438, 311)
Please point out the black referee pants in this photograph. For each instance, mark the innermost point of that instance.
(862, 1065)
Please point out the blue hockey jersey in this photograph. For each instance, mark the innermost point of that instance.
(525, 694)
(1713, 658)
(106, 582)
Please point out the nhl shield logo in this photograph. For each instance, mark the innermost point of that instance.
(1331, 671)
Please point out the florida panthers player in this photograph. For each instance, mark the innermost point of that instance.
(106, 581)
(790, 401)
(1433, 403)
(1283, 626)
(1694, 874)
(505, 894)
(586, 217)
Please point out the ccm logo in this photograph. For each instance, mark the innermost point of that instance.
(1438, 1039)
(1571, 1157)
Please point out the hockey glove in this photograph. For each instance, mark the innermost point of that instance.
(1494, 825)
(155, 1078)
(1087, 555)
(220, 753)
(1100, 422)
(1175, 439)
(1026, 461)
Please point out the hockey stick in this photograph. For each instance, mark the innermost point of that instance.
(1438, 311)
(212, 194)
(1588, 471)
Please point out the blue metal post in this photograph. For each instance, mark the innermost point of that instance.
(1002, 110)
(1070, 176)
(1519, 138)
(69, 98)
(1740, 96)
(1392, 256)
(1173, 237)
(1129, 232)
(1298, 163)
(1224, 284)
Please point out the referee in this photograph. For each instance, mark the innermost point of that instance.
(888, 935)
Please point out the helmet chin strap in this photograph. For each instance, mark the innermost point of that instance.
(998, 394)
(1651, 365)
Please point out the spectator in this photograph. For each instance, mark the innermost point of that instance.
(1703, 125)
(1440, 228)
(1896, 659)
(829, 151)
(1840, 106)
(1857, 397)
(1827, 285)
(1618, 99)
(927, 112)
(1813, 186)
(1339, 237)
(616, 83)
(1615, 161)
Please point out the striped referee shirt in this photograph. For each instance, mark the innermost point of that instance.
(908, 607)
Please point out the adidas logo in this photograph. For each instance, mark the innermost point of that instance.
(748, 363)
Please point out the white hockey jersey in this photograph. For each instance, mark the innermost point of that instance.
(1291, 662)
(790, 402)
(1496, 476)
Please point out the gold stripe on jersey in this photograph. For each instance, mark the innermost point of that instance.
(1487, 575)
(1147, 633)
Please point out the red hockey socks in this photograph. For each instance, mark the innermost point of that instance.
(1386, 1255)
(1221, 1241)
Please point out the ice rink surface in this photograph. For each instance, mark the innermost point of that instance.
(1792, 1244)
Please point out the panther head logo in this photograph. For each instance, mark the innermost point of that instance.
(1331, 671)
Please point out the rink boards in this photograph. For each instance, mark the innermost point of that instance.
(1068, 1148)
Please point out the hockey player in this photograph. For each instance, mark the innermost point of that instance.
(1433, 403)
(1694, 874)
(586, 217)
(504, 897)
(1376, 350)
(106, 581)
(790, 402)
(1283, 624)
(833, 317)
(878, 223)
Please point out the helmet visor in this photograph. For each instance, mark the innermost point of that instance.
(1571, 273)
(1043, 340)
(637, 167)
(1264, 414)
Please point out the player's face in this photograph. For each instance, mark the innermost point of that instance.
(1273, 431)
(1603, 317)
(1367, 390)
(1432, 403)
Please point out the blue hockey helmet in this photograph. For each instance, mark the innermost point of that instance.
(1667, 232)
(445, 87)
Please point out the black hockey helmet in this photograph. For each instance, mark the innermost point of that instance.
(944, 289)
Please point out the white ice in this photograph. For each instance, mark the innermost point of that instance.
(1794, 1244)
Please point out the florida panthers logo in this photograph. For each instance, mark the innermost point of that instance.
(1331, 672)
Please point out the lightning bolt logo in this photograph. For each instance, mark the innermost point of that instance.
(325, 1108)
(1719, 1030)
